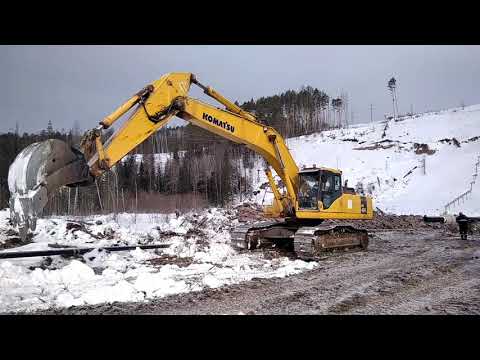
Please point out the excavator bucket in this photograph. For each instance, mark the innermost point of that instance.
(35, 174)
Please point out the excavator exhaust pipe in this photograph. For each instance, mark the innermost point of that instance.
(36, 173)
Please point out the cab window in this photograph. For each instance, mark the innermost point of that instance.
(337, 183)
(308, 193)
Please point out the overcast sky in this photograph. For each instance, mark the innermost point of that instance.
(85, 83)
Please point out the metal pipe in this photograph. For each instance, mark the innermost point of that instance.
(441, 219)
(434, 219)
(76, 251)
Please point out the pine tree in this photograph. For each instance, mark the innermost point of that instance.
(142, 177)
(49, 127)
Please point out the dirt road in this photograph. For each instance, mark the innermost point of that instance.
(403, 272)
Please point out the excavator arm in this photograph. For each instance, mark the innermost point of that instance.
(159, 102)
(43, 167)
(155, 106)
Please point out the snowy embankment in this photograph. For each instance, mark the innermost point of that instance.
(381, 163)
(199, 256)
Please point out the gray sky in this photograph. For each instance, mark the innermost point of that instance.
(85, 83)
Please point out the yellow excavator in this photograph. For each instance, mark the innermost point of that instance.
(311, 195)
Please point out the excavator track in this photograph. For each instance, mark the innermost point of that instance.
(246, 237)
(311, 242)
(308, 242)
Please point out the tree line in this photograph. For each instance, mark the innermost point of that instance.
(294, 113)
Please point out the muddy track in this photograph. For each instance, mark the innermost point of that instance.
(404, 272)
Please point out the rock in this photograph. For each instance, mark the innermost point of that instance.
(108, 232)
(71, 225)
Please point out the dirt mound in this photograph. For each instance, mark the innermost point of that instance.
(383, 144)
(381, 221)
(423, 149)
(171, 260)
(389, 222)
(250, 213)
(12, 239)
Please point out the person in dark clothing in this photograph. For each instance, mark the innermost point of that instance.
(462, 221)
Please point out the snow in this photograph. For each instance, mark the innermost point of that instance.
(24, 198)
(4, 218)
(17, 173)
(159, 159)
(448, 171)
(30, 284)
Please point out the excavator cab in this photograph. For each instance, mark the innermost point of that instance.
(318, 188)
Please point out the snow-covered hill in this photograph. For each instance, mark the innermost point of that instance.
(380, 162)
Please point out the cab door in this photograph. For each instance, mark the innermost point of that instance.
(331, 188)
(308, 194)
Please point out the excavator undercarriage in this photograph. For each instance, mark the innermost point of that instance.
(307, 241)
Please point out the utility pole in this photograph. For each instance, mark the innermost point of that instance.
(392, 85)
(371, 115)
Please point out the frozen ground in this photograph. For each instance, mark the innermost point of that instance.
(200, 257)
(403, 272)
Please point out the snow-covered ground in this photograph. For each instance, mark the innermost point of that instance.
(449, 170)
(28, 284)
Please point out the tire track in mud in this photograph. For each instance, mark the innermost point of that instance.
(400, 293)
(416, 288)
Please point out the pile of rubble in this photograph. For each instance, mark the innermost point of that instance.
(249, 212)
(389, 222)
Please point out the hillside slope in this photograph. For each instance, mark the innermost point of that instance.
(380, 162)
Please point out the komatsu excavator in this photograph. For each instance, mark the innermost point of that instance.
(311, 195)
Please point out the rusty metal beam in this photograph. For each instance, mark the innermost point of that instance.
(75, 251)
